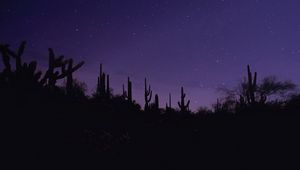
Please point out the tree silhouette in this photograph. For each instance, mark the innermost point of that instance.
(271, 86)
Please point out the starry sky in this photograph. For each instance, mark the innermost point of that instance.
(199, 44)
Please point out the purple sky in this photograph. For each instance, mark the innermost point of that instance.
(198, 44)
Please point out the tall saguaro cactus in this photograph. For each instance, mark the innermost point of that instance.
(251, 86)
(183, 107)
(169, 105)
(124, 93)
(103, 89)
(147, 95)
(129, 90)
(156, 102)
(127, 95)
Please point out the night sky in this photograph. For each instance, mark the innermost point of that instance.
(198, 44)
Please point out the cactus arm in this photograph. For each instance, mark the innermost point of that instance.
(77, 66)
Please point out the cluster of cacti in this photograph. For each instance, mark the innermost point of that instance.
(183, 107)
(24, 72)
(103, 87)
(27, 72)
(250, 88)
(59, 68)
(26, 76)
(67, 70)
(127, 95)
(252, 95)
(147, 95)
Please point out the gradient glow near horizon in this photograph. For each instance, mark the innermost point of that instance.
(199, 44)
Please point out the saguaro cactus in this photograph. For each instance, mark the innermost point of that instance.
(124, 93)
(17, 55)
(156, 102)
(251, 87)
(129, 90)
(51, 77)
(69, 74)
(103, 89)
(127, 95)
(183, 107)
(169, 105)
(147, 95)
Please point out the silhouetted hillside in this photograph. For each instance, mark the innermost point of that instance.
(46, 126)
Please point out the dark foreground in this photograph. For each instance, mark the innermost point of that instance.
(66, 140)
(46, 126)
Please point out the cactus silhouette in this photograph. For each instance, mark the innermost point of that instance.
(25, 74)
(103, 88)
(51, 77)
(17, 55)
(252, 86)
(183, 107)
(156, 102)
(69, 74)
(169, 105)
(124, 93)
(147, 95)
(127, 95)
